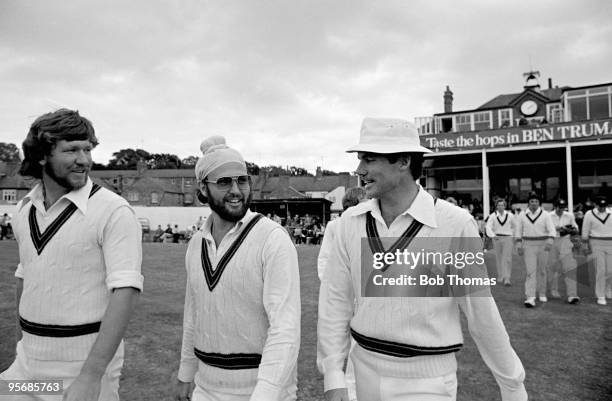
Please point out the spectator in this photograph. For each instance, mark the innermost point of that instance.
(158, 235)
(4, 226)
(168, 233)
(176, 234)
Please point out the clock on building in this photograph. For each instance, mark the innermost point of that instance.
(529, 107)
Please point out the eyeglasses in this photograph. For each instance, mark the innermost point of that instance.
(226, 182)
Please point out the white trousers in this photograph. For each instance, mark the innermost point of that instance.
(602, 253)
(561, 261)
(206, 393)
(24, 368)
(371, 386)
(535, 264)
(503, 257)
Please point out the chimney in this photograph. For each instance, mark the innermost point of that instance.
(448, 100)
(550, 83)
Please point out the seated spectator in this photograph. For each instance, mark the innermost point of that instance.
(168, 233)
(158, 235)
(298, 235)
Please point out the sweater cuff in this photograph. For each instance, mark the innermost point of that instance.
(187, 371)
(334, 379)
(517, 394)
(19, 271)
(265, 391)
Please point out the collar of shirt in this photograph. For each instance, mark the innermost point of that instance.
(207, 233)
(598, 214)
(528, 211)
(421, 209)
(502, 214)
(77, 196)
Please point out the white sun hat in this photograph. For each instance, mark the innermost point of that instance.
(388, 135)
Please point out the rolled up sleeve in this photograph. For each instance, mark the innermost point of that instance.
(122, 247)
(336, 299)
(281, 298)
(19, 271)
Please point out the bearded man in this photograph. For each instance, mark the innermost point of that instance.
(241, 329)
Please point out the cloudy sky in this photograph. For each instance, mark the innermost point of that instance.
(286, 81)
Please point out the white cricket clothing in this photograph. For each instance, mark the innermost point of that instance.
(536, 230)
(96, 250)
(501, 227)
(25, 368)
(597, 227)
(253, 309)
(561, 261)
(500, 224)
(421, 322)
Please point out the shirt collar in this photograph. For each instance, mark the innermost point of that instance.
(206, 227)
(502, 214)
(528, 211)
(77, 196)
(421, 209)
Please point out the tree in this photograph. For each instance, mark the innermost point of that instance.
(9, 152)
(299, 171)
(164, 160)
(328, 172)
(127, 159)
(189, 162)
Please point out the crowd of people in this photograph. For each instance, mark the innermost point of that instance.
(549, 243)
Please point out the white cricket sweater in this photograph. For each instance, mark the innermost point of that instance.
(96, 250)
(421, 322)
(254, 308)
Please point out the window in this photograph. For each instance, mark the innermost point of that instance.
(578, 109)
(482, 120)
(464, 122)
(9, 195)
(586, 104)
(505, 118)
(598, 106)
(554, 113)
(133, 196)
(154, 197)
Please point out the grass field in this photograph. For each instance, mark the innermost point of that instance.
(566, 350)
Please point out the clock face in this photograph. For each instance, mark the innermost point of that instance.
(529, 107)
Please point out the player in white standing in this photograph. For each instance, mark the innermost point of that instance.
(534, 236)
(405, 346)
(500, 227)
(597, 233)
(241, 329)
(561, 257)
(79, 266)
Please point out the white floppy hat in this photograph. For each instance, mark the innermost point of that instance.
(388, 135)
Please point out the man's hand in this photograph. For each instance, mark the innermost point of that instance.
(520, 251)
(547, 247)
(84, 388)
(182, 391)
(337, 394)
(585, 248)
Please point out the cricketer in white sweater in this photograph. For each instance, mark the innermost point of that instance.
(241, 329)
(412, 323)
